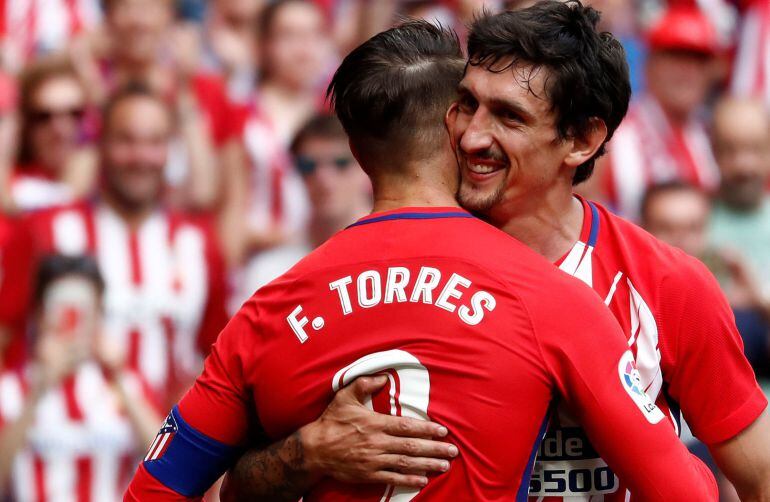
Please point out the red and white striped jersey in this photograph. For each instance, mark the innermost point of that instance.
(752, 63)
(277, 198)
(81, 445)
(648, 149)
(30, 27)
(164, 297)
(683, 337)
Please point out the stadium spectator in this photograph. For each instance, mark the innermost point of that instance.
(74, 417)
(229, 46)
(266, 198)
(143, 44)
(339, 193)
(740, 221)
(664, 137)
(164, 299)
(55, 162)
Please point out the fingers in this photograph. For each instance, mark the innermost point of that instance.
(414, 447)
(362, 387)
(398, 479)
(405, 464)
(412, 427)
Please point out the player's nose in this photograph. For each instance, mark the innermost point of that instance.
(478, 135)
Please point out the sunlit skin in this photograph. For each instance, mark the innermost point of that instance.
(134, 152)
(679, 218)
(514, 167)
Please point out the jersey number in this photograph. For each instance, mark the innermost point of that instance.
(408, 394)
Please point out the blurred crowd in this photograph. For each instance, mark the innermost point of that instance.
(160, 160)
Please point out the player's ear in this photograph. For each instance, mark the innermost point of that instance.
(584, 146)
(450, 118)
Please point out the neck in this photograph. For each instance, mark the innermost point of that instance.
(412, 188)
(133, 215)
(549, 224)
(321, 229)
(283, 92)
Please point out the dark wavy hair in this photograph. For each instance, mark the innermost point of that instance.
(587, 71)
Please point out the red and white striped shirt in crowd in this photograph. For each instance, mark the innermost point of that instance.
(751, 73)
(31, 27)
(81, 445)
(165, 281)
(277, 197)
(647, 148)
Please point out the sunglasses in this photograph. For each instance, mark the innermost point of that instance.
(307, 165)
(46, 116)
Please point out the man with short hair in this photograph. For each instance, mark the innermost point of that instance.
(164, 296)
(542, 94)
(452, 311)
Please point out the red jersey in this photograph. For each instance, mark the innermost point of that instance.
(164, 298)
(683, 337)
(473, 329)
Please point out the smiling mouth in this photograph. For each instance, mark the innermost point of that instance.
(480, 171)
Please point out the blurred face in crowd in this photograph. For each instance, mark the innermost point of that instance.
(238, 15)
(679, 218)
(505, 138)
(295, 45)
(134, 151)
(680, 80)
(138, 27)
(55, 118)
(741, 137)
(334, 181)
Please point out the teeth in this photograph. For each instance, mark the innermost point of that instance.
(482, 169)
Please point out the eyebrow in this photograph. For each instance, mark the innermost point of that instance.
(497, 103)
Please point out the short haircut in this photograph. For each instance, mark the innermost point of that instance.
(587, 70)
(131, 90)
(391, 93)
(54, 267)
(324, 126)
(664, 188)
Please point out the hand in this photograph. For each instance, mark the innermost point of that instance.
(109, 355)
(353, 444)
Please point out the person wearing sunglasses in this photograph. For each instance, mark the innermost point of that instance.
(55, 162)
(338, 190)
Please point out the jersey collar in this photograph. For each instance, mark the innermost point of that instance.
(413, 213)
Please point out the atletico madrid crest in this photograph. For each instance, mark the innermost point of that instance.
(163, 439)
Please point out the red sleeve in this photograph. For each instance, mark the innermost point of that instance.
(595, 374)
(210, 424)
(211, 94)
(701, 346)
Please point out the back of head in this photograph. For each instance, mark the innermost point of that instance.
(588, 74)
(391, 92)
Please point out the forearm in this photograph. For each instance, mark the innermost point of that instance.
(14, 435)
(277, 473)
(144, 420)
(202, 182)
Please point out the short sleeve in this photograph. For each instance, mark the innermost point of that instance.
(710, 377)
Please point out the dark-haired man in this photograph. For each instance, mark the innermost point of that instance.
(543, 88)
(541, 96)
(463, 336)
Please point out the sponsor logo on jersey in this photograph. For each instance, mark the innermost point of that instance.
(163, 439)
(632, 383)
(567, 465)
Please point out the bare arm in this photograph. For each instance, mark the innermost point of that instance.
(745, 460)
(348, 442)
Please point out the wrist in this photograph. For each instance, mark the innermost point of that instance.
(307, 446)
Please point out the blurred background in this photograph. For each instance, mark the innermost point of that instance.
(160, 160)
